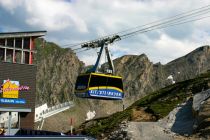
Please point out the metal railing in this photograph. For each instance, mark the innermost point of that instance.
(54, 110)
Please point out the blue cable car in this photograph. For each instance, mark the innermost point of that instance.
(96, 85)
(101, 86)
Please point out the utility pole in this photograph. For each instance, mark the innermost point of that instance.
(71, 125)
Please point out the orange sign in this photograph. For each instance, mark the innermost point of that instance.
(10, 89)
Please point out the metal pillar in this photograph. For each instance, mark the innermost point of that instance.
(18, 120)
(110, 62)
(42, 123)
(9, 123)
(95, 67)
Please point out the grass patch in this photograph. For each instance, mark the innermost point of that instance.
(104, 125)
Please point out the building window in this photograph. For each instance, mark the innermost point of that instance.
(2, 42)
(17, 56)
(10, 42)
(26, 44)
(18, 42)
(16, 50)
(9, 55)
(2, 54)
(26, 57)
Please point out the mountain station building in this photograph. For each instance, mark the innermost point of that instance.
(17, 79)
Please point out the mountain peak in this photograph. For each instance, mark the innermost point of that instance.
(197, 54)
(143, 55)
(126, 58)
(202, 49)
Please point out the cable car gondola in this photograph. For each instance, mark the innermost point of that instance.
(95, 85)
(102, 86)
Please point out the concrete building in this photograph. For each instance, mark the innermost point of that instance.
(18, 77)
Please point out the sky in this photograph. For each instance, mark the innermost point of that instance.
(76, 21)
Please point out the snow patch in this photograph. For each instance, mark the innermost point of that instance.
(171, 78)
(90, 115)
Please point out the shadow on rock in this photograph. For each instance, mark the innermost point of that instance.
(184, 121)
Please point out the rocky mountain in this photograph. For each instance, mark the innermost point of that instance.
(141, 76)
(57, 69)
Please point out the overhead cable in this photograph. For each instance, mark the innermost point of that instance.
(193, 15)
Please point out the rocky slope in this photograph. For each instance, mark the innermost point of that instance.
(156, 106)
(201, 109)
(187, 121)
(178, 124)
(57, 69)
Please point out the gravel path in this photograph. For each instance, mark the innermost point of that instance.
(147, 131)
(178, 122)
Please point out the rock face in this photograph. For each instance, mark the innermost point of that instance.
(201, 106)
(140, 76)
(58, 68)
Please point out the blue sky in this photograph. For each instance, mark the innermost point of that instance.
(82, 20)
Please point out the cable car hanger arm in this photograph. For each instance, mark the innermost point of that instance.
(103, 44)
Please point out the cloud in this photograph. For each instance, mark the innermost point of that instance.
(176, 49)
(10, 5)
(69, 22)
(51, 15)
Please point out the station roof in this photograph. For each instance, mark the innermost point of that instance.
(13, 109)
(22, 34)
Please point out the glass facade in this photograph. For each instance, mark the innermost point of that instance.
(2, 54)
(18, 42)
(17, 50)
(2, 42)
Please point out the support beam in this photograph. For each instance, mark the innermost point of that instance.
(9, 123)
(102, 43)
(95, 67)
(110, 62)
(18, 120)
